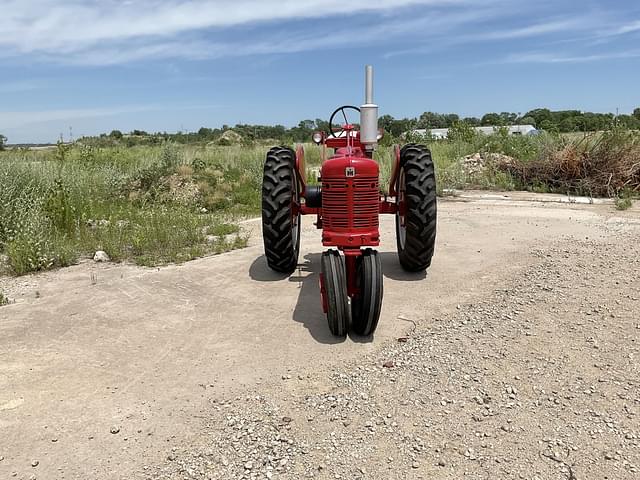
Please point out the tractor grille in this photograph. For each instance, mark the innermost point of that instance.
(350, 203)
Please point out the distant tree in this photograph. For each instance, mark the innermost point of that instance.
(279, 131)
(205, 132)
(473, 121)
(491, 119)
(321, 125)
(139, 133)
(628, 121)
(508, 118)
(528, 121)
(3, 141)
(568, 125)
(540, 115)
(308, 124)
(431, 120)
(386, 122)
(636, 113)
(117, 134)
(548, 126)
(450, 119)
(305, 129)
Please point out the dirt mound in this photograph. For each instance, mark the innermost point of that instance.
(182, 190)
(229, 137)
(478, 162)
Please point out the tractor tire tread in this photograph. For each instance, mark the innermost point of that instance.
(421, 215)
(366, 306)
(335, 281)
(281, 249)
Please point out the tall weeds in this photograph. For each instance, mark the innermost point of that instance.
(59, 205)
(601, 165)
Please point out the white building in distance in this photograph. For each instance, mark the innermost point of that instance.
(441, 133)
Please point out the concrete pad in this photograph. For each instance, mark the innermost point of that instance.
(138, 349)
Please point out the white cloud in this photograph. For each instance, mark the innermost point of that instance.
(628, 28)
(559, 58)
(106, 33)
(10, 120)
(109, 32)
(536, 29)
(23, 86)
(480, 34)
(22, 118)
(72, 25)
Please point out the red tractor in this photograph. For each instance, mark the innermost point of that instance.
(347, 204)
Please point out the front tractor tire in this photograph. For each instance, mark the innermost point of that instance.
(334, 292)
(280, 226)
(367, 303)
(417, 208)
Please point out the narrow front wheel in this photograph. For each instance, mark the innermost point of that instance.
(334, 292)
(367, 303)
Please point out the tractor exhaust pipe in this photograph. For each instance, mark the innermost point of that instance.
(368, 89)
(369, 114)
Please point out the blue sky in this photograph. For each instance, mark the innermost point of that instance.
(98, 65)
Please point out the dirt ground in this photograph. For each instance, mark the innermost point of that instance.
(515, 357)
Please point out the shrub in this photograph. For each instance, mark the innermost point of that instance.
(623, 203)
(59, 208)
(624, 200)
(30, 249)
(169, 157)
(463, 132)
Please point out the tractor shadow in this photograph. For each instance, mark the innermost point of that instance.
(392, 269)
(308, 309)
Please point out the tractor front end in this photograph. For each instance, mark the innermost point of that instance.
(350, 201)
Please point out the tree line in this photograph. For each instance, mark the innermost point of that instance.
(561, 121)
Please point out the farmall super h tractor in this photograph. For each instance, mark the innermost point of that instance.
(347, 204)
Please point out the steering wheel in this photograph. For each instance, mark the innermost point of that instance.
(344, 115)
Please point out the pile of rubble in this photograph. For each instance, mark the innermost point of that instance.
(478, 162)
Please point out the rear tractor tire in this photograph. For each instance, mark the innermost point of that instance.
(334, 292)
(417, 208)
(280, 193)
(366, 305)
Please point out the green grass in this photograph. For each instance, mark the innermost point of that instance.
(3, 300)
(140, 204)
(623, 203)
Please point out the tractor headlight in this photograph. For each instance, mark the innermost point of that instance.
(317, 138)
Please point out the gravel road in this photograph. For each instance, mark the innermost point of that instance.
(515, 358)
